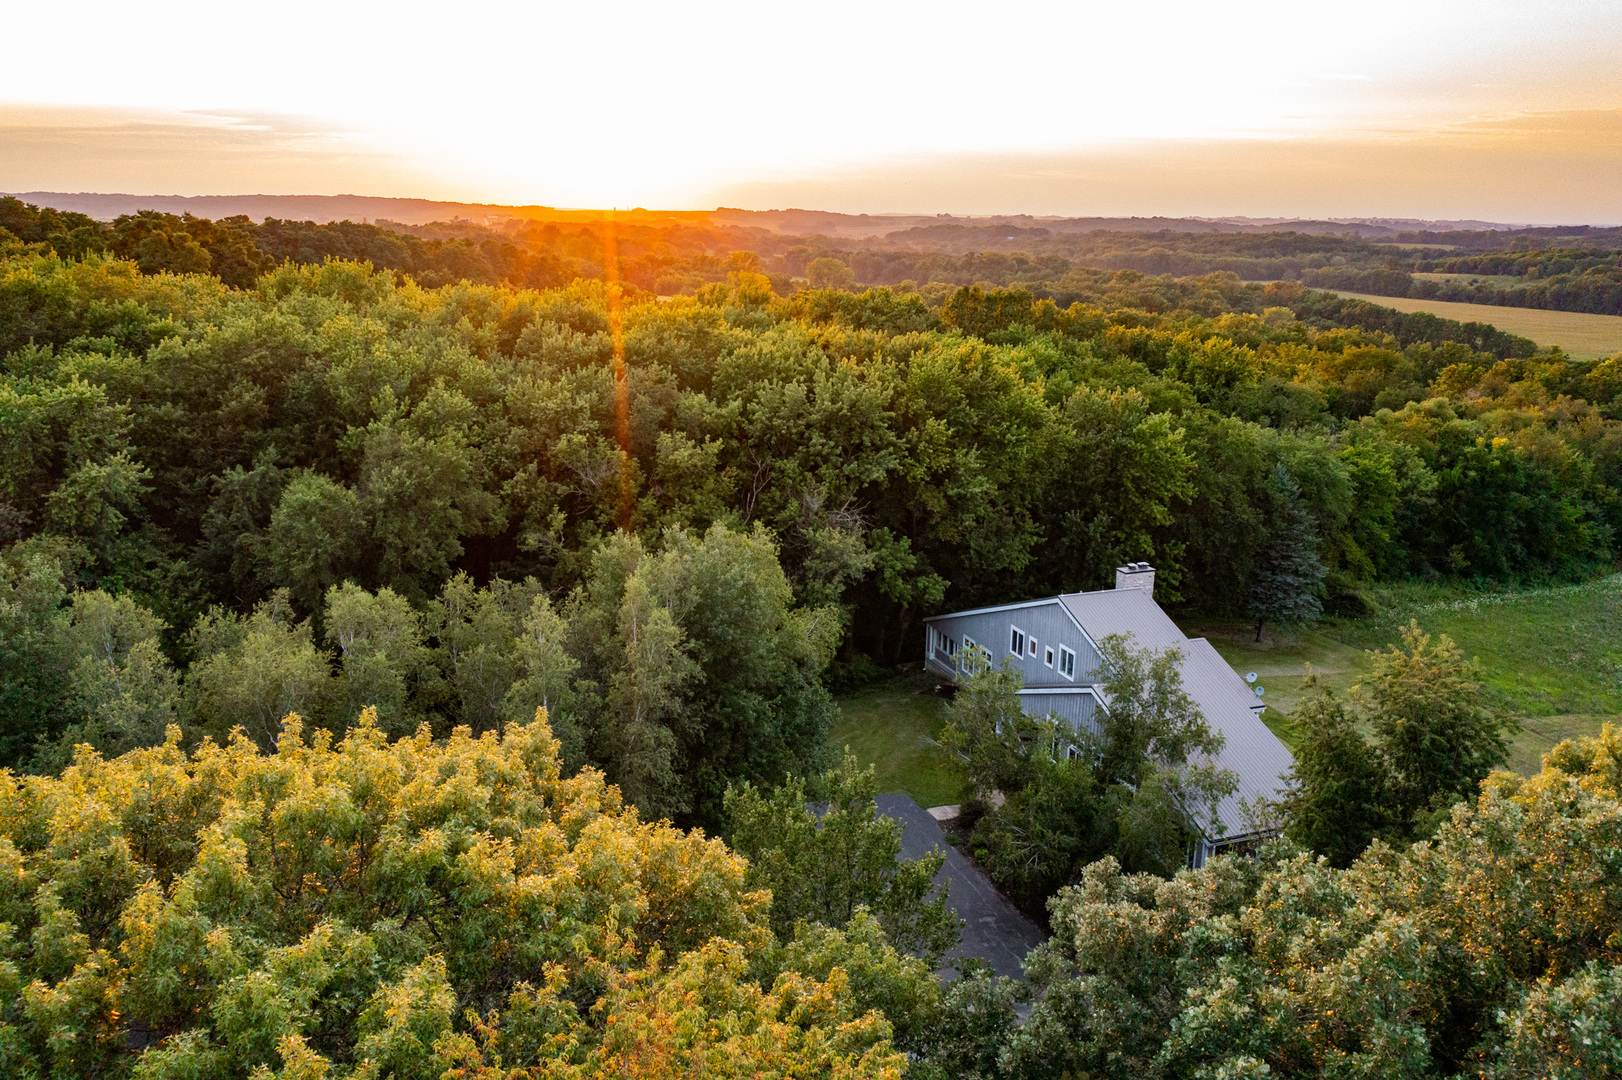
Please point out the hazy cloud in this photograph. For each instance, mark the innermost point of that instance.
(55, 148)
(1557, 167)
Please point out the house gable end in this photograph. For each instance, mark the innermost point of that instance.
(1042, 629)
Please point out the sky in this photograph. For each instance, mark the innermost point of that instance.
(1504, 111)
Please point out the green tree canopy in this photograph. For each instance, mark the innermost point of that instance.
(826, 273)
(1339, 797)
(827, 855)
(1433, 739)
(1486, 952)
(1431, 721)
(122, 691)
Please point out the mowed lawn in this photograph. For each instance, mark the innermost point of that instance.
(895, 726)
(1281, 663)
(1550, 657)
(1581, 335)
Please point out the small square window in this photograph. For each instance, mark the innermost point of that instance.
(1071, 753)
(1032, 645)
(1048, 659)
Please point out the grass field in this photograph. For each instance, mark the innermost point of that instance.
(1582, 336)
(1550, 657)
(895, 728)
(1499, 281)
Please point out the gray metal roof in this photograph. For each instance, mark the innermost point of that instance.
(1253, 752)
(1124, 611)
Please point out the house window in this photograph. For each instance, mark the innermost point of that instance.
(1067, 662)
(1071, 753)
(975, 658)
(1031, 644)
(1048, 656)
(1016, 641)
(951, 646)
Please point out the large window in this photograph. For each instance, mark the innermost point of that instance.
(1016, 642)
(1067, 662)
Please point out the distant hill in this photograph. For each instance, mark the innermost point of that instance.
(795, 222)
(322, 208)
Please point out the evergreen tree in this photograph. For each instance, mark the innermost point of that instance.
(1284, 587)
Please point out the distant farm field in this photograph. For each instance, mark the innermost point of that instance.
(1500, 281)
(1582, 336)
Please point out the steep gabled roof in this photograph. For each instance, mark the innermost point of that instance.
(1124, 611)
(1253, 752)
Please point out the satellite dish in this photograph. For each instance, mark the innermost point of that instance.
(1260, 690)
(1250, 676)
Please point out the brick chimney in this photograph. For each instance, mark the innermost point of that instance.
(1137, 575)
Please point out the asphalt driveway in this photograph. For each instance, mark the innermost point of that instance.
(993, 929)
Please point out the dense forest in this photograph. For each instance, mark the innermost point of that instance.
(200, 448)
(1571, 269)
(366, 592)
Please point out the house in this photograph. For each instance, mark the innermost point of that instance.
(1053, 643)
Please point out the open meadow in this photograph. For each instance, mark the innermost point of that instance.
(1551, 657)
(1582, 336)
(1499, 281)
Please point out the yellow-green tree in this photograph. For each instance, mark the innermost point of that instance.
(377, 909)
(1492, 950)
